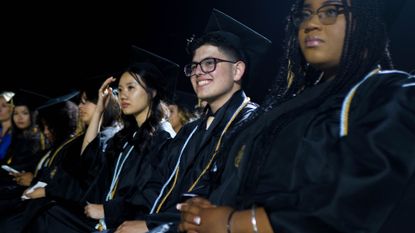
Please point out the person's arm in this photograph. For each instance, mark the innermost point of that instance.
(104, 94)
(198, 215)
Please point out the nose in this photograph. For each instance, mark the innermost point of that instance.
(198, 70)
(313, 23)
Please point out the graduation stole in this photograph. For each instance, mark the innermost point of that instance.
(176, 170)
(117, 170)
(344, 114)
(45, 157)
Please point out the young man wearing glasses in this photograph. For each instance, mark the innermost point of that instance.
(219, 64)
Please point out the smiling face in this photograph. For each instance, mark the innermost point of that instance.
(218, 86)
(322, 44)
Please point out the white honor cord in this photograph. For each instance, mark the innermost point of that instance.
(117, 170)
(174, 171)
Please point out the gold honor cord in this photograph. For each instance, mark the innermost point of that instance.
(235, 114)
(345, 111)
(55, 153)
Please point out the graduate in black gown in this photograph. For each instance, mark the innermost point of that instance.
(25, 149)
(58, 120)
(77, 172)
(334, 151)
(220, 60)
(132, 154)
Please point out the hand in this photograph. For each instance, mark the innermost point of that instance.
(37, 193)
(132, 227)
(104, 94)
(95, 211)
(23, 178)
(200, 216)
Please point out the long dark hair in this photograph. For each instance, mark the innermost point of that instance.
(31, 134)
(366, 45)
(150, 78)
(61, 120)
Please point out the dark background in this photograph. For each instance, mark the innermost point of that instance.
(50, 48)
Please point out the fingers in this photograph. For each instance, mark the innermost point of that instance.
(187, 227)
(105, 89)
(200, 202)
(86, 210)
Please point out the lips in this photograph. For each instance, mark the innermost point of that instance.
(125, 105)
(313, 41)
(201, 83)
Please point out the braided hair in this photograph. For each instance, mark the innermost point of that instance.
(366, 45)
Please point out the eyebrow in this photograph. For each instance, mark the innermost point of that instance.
(129, 83)
(308, 5)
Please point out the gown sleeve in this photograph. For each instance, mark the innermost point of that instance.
(357, 183)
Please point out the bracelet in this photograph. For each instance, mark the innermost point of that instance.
(253, 219)
(228, 224)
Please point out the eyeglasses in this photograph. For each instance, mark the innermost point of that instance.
(327, 15)
(207, 65)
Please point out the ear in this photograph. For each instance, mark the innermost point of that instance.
(239, 70)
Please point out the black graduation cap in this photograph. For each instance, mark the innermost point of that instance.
(169, 69)
(245, 39)
(185, 100)
(29, 98)
(91, 85)
(58, 100)
(391, 10)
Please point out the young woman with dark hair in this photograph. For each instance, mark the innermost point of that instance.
(332, 150)
(130, 158)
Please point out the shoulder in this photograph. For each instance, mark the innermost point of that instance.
(386, 80)
(165, 128)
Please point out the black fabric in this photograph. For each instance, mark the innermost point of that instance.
(195, 157)
(134, 175)
(309, 179)
(28, 209)
(23, 155)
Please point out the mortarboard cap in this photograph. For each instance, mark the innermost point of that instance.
(91, 85)
(58, 100)
(248, 42)
(169, 69)
(391, 10)
(185, 100)
(7, 95)
(29, 98)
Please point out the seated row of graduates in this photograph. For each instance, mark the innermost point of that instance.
(319, 156)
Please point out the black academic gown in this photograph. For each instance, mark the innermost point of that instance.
(23, 155)
(309, 178)
(27, 210)
(78, 174)
(194, 159)
(135, 173)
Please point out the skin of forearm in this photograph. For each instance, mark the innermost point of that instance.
(241, 222)
(92, 130)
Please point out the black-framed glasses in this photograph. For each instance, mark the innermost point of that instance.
(207, 65)
(327, 15)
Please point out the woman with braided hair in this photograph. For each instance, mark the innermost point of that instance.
(332, 150)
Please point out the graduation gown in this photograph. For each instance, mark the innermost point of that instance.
(23, 155)
(46, 172)
(76, 174)
(134, 174)
(311, 178)
(196, 155)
